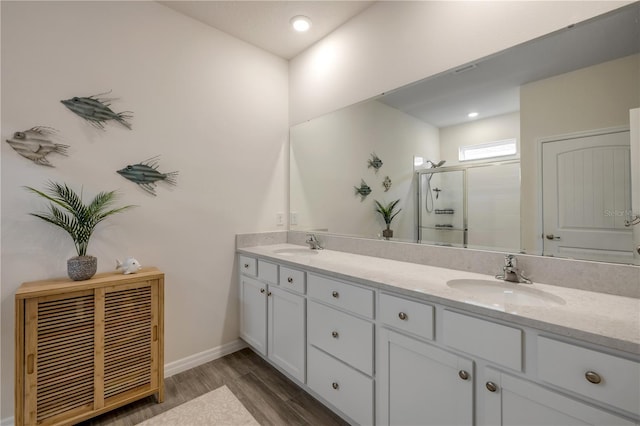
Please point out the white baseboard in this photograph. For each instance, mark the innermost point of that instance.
(183, 364)
(195, 360)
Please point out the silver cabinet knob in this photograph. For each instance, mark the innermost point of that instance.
(246, 265)
(491, 387)
(268, 294)
(463, 375)
(335, 385)
(289, 280)
(262, 290)
(403, 316)
(593, 377)
(335, 294)
(334, 334)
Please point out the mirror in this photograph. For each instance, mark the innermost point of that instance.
(555, 98)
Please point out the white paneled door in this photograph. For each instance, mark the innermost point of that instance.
(587, 197)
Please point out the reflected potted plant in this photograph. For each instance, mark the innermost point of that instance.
(388, 214)
(67, 211)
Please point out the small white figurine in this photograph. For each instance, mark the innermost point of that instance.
(128, 266)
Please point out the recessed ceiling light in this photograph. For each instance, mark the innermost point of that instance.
(301, 23)
(472, 115)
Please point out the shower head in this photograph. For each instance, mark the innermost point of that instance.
(438, 164)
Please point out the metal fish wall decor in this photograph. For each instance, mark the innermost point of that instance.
(386, 183)
(146, 174)
(374, 162)
(35, 144)
(96, 110)
(363, 190)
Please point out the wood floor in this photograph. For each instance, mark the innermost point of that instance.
(267, 394)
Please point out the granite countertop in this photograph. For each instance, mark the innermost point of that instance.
(598, 318)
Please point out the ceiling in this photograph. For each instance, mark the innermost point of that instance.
(265, 24)
(491, 86)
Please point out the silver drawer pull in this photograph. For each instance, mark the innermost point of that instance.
(334, 334)
(262, 290)
(246, 265)
(289, 280)
(593, 377)
(463, 374)
(335, 385)
(403, 316)
(491, 387)
(335, 294)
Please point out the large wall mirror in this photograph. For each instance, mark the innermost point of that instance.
(544, 166)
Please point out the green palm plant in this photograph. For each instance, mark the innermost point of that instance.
(388, 215)
(79, 220)
(387, 211)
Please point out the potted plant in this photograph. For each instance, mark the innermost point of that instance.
(388, 215)
(67, 211)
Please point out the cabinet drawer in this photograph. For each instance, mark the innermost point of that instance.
(268, 271)
(407, 315)
(248, 265)
(494, 342)
(348, 390)
(344, 336)
(292, 279)
(346, 296)
(566, 366)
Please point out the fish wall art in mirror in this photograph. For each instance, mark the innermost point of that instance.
(95, 109)
(374, 162)
(146, 174)
(35, 144)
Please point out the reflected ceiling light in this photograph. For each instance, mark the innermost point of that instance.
(472, 115)
(301, 23)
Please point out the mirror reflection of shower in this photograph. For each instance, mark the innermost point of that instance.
(473, 204)
(429, 197)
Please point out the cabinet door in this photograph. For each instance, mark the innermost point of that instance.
(59, 357)
(130, 337)
(518, 402)
(286, 346)
(421, 384)
(253, 313)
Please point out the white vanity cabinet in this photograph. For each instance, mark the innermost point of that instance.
(509, 400)
(273, 318)
(340, 333)
(381, 356)
(420, 384)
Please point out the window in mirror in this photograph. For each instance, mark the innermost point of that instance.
(487, 150)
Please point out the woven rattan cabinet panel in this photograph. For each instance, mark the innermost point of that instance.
(86, 347)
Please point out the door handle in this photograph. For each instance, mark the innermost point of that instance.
(552, 237)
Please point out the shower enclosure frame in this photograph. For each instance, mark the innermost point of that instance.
(458, 167)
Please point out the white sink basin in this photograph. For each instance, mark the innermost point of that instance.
(296, 252)
(496, 294)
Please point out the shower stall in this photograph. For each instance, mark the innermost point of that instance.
(470, 205)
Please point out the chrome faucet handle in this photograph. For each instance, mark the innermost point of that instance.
(313, 242)
(510, 261)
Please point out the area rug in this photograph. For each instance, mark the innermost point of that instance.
(218, 407)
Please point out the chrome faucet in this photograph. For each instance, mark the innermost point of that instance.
(313, 242)
(510, 271)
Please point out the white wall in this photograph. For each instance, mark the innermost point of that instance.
(393, 43)
(214, 107)
(491, 129)
(329, 157)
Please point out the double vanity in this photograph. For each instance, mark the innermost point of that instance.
(388, 342)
